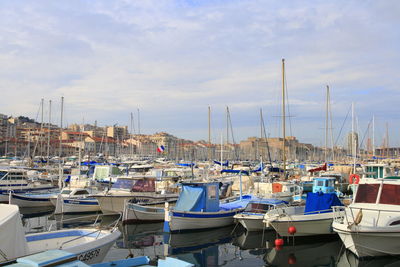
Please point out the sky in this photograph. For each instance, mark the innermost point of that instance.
(174, 59)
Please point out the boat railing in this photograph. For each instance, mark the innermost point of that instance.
(317, 211)
(353, 215)
(112, 226)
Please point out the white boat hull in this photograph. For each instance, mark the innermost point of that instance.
(369, 244)
(74, 205)
(90, 248)
(179, 221)
(252, 222)
(306, 225)
(135, 213)
(26, 201)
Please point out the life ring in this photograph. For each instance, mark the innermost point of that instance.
(354, 179)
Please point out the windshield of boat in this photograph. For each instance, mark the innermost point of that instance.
(123, 184)
(367, 193)
(258, 207)
(390, 194)
(66, 192)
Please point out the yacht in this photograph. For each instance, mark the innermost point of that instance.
(370, 225)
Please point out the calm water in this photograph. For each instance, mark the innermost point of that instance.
(228, 246)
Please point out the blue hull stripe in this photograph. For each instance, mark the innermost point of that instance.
(191, 215)
(72, 233)
(31, 198)
(77, 202)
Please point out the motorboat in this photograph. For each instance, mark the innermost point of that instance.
(89, 244)
(140, 189)
(370, 225)
(252, 217)
(16, 180)
(315, 218)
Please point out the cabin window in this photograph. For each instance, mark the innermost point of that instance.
(66, 192)
(320, 183)
(257, 207)
(367, 193)
(81, 192)
(212, 191)
(390, 194)
(3, 174)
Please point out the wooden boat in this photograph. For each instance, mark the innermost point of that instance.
(198, 207)
(145, 212)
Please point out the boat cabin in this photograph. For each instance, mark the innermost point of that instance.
(384, 191)
(376, 171)
(198, 197)
(135, 185)
(324, 185)
(263, 205)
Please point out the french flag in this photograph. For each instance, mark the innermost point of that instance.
(160, 149)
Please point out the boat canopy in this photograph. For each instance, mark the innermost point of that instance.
(321, 203)
(12, 234)
(198, 197)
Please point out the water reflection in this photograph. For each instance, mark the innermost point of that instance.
(225, 246)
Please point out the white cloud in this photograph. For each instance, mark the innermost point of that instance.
(177, 57)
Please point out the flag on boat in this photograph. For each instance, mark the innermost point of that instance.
(160, 149)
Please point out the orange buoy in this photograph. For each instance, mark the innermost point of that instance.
(292, 259)
(292, 230)
(278, 242)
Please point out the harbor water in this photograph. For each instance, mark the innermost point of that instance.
(227, 246)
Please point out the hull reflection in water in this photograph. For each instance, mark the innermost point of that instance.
(255, 240)
(311, 253)
(349, 259)
(201, 248)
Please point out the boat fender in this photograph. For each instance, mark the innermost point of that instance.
(354, 179)
(359, 217)
(292, 230)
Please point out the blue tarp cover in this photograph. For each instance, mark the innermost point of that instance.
(190, 199)
(235, 171)
(223, 164)
(319, 201)
(237, 204)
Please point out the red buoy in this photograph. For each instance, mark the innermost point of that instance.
(292, 230)
(292, 259)
(278, 242)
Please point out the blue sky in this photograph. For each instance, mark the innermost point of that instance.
(172, 59)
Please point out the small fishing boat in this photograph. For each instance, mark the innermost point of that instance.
(315, 218)
(30, 200)
(252, 217)
(198, 207)
(370, 225)
(144, 212)
(89, 244)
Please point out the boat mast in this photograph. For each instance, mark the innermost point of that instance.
(373, 135)
(60, 172)
(48, 134)
(283, 120)
(209, 134)
(326, 123)
(353, 137)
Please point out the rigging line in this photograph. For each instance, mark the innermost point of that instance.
(288, 106)
(341, 128)
(365, 133)
(266, 140)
